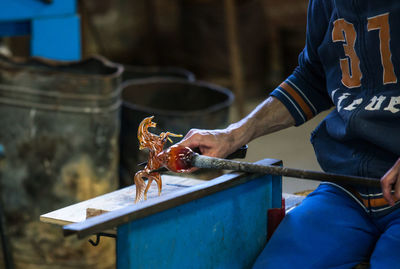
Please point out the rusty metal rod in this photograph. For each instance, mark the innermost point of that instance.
(202, 161)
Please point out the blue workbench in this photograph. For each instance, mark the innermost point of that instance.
(53, 25)
(221, 223)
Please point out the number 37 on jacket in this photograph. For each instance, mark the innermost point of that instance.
(345, 32)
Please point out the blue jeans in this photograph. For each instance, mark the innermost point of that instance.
(329, 229)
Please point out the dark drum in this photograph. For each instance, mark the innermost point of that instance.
(177, 105)
(60, 129)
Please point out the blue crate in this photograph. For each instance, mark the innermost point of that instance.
(54, 27)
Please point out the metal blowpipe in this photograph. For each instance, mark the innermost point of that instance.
(201, 161)
(181, 159)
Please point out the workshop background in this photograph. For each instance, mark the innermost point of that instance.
(245, 46)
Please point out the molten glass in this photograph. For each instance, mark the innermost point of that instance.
(154, 143)
(177, 158)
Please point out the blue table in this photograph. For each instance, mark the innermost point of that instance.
(54, 27)
(221, 223)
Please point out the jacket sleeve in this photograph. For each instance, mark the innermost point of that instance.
(304, 92)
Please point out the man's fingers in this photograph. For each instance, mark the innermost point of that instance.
(191, 140)
(200, 139)
(389, 180)
(397, 186)
(190, 133)
(211, 143)
(387, 192)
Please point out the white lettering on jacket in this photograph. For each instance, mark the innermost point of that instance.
(393, 102)
(341, 98)
(375, 103)
(354, 105)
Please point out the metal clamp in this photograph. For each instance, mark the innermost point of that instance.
(98, 235)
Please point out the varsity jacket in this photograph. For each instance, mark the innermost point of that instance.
(351, 61)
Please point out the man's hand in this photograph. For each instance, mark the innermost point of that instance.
(213, 143)
(269, 116)
(391, 181)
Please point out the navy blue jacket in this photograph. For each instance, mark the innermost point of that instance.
(351, 60)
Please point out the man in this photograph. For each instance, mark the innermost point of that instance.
(351, 61)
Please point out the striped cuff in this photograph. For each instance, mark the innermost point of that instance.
(296, 101)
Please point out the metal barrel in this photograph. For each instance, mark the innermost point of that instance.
(177, 105)
(140, 72)
(60, 129)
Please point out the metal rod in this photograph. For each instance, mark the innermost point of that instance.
(202, 161)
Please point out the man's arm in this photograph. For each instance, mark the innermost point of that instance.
(299, 98)
(269, 116)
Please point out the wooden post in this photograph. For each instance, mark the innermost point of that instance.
(235, 55)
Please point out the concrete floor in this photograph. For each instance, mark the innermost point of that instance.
(292, 146)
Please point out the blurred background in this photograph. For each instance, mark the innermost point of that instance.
(194, 34)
